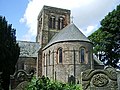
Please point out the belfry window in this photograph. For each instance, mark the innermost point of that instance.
(60, 23)
(52, 22)
(60, 55)
(82, 55)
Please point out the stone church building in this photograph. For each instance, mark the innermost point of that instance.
(61, 50)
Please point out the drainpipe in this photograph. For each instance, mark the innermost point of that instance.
(74, 66)
(53, 67)
(37, 67)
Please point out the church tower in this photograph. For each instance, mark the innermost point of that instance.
(50, 21)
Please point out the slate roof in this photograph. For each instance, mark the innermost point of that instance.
(69, 33)
(28, 49)
(97, 60)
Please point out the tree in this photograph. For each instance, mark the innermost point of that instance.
(98, 39)
(9, 51)
(109, 38)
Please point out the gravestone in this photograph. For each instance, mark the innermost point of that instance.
(20, 79)
(118, 79)
(71, 79)
(105, 79)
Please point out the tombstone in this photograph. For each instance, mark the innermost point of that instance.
(118, 79)
(19, 80)
(71, 79)
(105, 79)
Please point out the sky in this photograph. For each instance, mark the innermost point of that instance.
(22, 14)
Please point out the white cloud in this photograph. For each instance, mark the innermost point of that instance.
(89, 30)
(86, 13)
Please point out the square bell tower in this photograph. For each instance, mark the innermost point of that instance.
(49, 22)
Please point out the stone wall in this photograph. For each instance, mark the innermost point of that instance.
(26, 63)
(61, 71)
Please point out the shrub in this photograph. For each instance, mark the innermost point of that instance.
(45, 83)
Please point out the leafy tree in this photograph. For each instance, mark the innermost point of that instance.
(9, 51)
(98, 39)
(109, 38)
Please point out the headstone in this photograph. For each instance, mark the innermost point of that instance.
(71, 79)
(118, 79)
(19, 79)
(105, 79)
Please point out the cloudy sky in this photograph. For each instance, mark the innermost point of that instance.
(87, 14)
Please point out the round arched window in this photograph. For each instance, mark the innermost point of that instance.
(82, 55)
(60, 55)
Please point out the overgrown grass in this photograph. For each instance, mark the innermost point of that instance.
(45, 83)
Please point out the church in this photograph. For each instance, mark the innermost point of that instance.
(61, 50)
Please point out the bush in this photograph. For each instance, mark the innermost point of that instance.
(45, 83)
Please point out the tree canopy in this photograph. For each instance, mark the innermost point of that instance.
(9, 49)
(107, 39)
